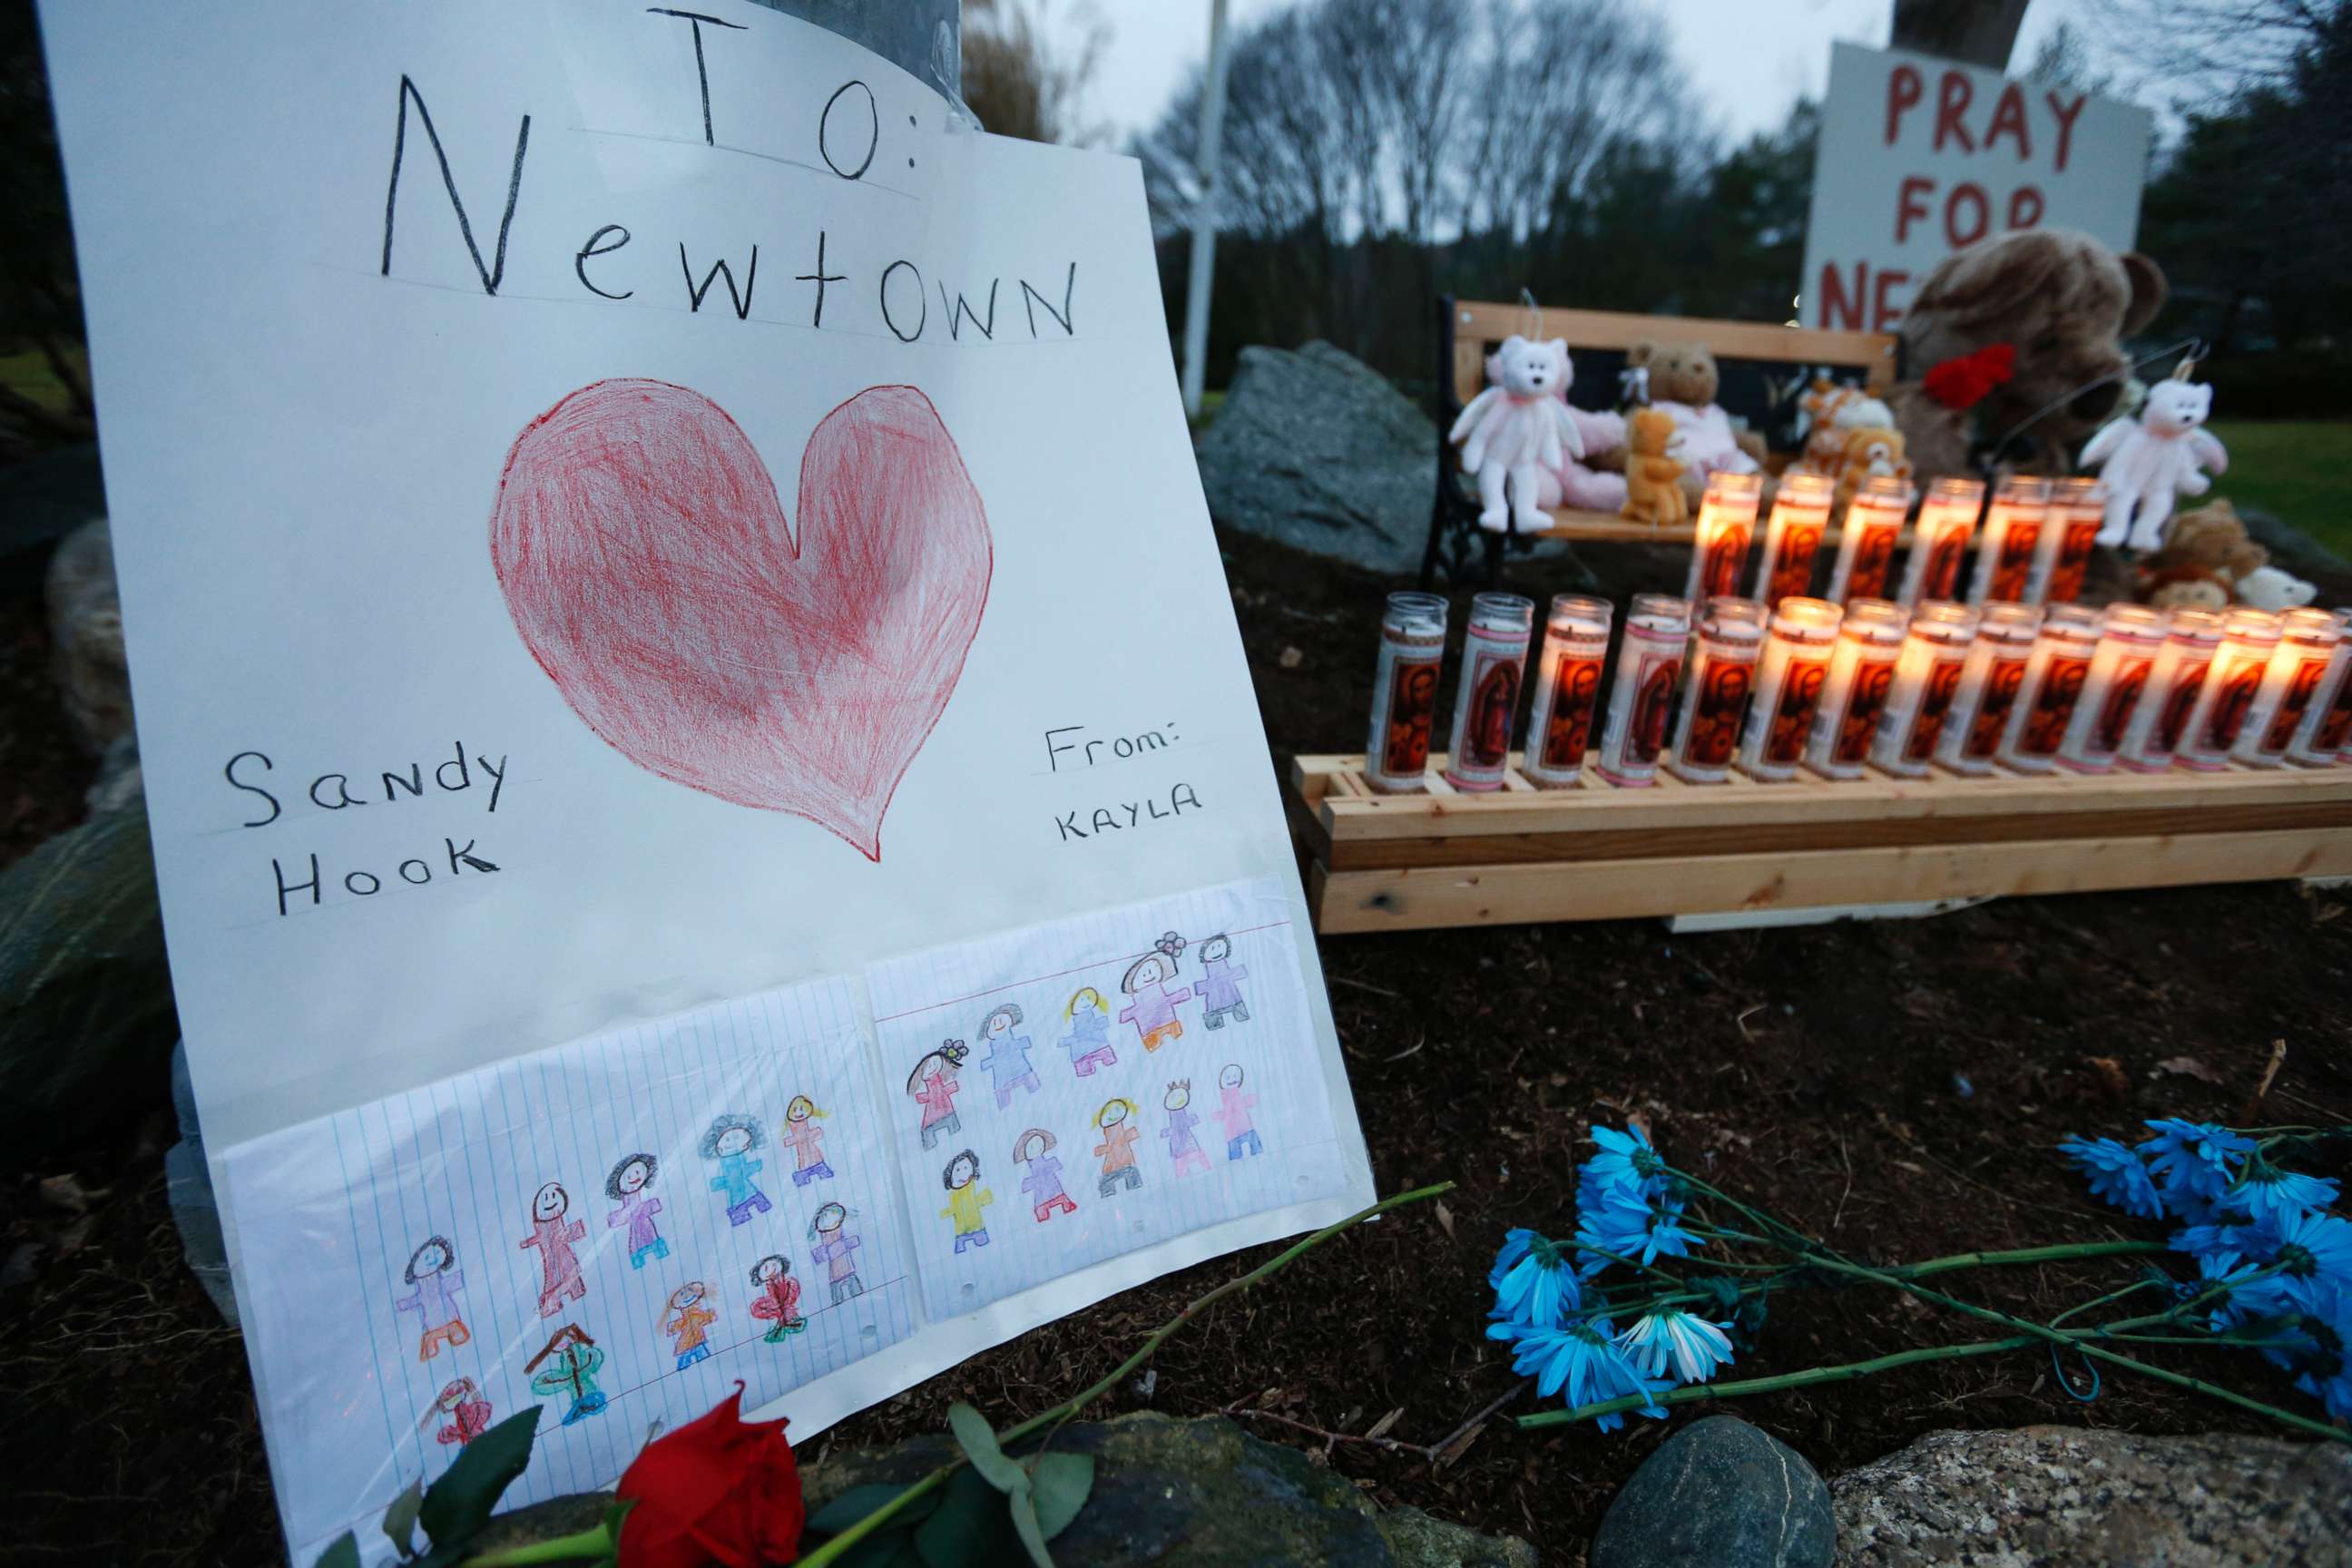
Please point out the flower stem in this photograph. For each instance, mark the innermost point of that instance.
(1693, 1392)
(588, 1543)
(833, 1549)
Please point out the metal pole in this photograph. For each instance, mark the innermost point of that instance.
(1204, 217)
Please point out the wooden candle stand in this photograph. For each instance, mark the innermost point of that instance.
(1391, 862)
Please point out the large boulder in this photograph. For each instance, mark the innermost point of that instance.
(1314, 448)
(1719, 1494)
(2053, 1497)
(86, 629)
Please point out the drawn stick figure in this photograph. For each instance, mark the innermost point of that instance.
(934, 1086)
(730, 1140)
(1007, 1061)
(558, 1266)
(1184, 1146)
(779, 1298)
(570, 1362)
(832, 1244)
(688, 1322)
(431, 1269)
(1088, 1041)
(1115, 1123)
(1035, 1148)
(1233, 1109)
(1153, 1009)
(626, 1186)
(468, 1414)
(966, 1199)
(807, 1139)
(1221, 992)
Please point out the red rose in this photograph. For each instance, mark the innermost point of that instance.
(717, 1490)
(1966, 382)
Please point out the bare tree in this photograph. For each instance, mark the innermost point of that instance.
(2208, 51)
(1016, 82)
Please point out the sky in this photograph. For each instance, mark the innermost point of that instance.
(1749, 60)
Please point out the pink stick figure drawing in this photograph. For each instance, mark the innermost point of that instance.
(1184, 1147)
(934, 1086)
(1233, 1109)
(558, 1266)
(1153, 1009)
(807, 1139)
(468, 1414)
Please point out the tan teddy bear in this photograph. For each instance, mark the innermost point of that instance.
(1653, 492)
(2207, 554)
(1682, 380)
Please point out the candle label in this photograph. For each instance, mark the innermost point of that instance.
(2053, 705)
(2123, 699)
(1865, 703)
(1487, 739)
(1874, 555)
(1940, 578)
(1719, 570)
(1719, 707)
(1935, 706)
(1412, 707)
(2013, 563)
(2179, 704)
(1652, 706)
(1792, 568)
(2073, 560)
(2293, 703)
(2335, 731)
(2240, 683)
(1792, 715)
(1568, 726)
(2002, 678)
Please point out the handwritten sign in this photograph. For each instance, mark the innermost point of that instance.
(632, 522)
(1920, 157)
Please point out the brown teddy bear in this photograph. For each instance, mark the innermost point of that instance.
(2064, 302)
(2207, 553)
(1682, 380)
(1653, 492)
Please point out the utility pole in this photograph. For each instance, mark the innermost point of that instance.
(1204, 217)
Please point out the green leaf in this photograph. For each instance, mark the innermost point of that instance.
(400, 1519)
(858, 1501)
(1024, 1525)
(969, 1527)
(973, 1434)
(343, 1554)
(1060, 1485)
(463, 1499)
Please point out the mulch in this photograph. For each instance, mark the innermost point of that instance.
(1895, 1087)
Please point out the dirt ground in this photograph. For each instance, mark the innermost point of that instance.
(1895, 1087)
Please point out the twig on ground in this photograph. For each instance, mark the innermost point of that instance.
(2250, 1115)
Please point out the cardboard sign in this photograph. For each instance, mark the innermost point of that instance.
(668, 598)
(1919, 157)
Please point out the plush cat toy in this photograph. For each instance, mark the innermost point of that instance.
(1517, 429)
(2146, 463)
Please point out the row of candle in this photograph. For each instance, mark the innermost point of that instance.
(1806, 683)
(2035, 547)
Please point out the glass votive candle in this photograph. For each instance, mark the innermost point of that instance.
(2249, 638)
(2013, 535)
(2307, 642)
(1404, 693)
(2077, 509)
(1494, 665)
(1715, 699)
(1789, 680)
(2053, 689)
(1866, 557)
(1800, 514)
(1568, 689)
(1726, 523)
(2006, 634)
(1853, 698)
(2191, 638)
(2130, 637)
(1927, 679)
(1940, 545)
(2320, 740)
(1649, 663)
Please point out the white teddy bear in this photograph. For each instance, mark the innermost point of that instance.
(1517, 429)
(2269, 588)
(2147, 462)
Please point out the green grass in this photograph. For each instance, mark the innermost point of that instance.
(2296, 470)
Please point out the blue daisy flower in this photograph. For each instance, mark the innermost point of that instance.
(2325, 1327)
(2117, 1176)
(1691, 1346)
(1626, 1162)
(1582, 1361)
(1628, 1225)
(1537, 1289)
(2193, 1159)
(2269, 1193)
(1517, 1241)
(2308, 1243)
(2203, 1240)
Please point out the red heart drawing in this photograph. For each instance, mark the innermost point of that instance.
(651, 571)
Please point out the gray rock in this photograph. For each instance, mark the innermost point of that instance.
(86, 632)
(1719, 1494)
(1315, 449)
(85, 1015)
(1203, 1493)
(2055, 1497)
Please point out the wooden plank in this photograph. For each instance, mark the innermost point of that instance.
(1504, 895)
(1486, 323)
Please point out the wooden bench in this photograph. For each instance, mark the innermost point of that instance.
(1469, 330)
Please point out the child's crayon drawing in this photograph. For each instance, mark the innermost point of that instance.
(1088, 1041)
(730, 1140)
(779, 1299)
(688, 1322)
(1183, 1144)
(463, 1414)
(626, 1186)
(807, 1139)
(831, 1244)
(1007, 1061)
(566, 1368)
(934, 1085)
(1220, 991)
(558, 1266)
(1153, 1009)
(1233, 1109)
(966, 1199)
(432, 1270)
(1115, 1123)
(1035, 1148)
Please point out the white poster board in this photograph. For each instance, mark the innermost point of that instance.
(1920, 157)
(650, 549)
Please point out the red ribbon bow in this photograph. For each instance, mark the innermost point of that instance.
(1965, 382)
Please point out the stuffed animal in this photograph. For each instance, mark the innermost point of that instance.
(2269, 588)
(1871, 452)
(1653, 477)
(2064, 302)
(2189, 591)
(1831, 409)
(1588, 482)
(2209, 546)
(1515, 429)
(2145, 462)
(1683, 379)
